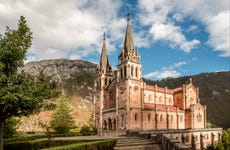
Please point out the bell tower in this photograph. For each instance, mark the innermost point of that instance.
(129, 66)
(129, 83)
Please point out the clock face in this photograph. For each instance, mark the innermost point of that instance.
(135, 88)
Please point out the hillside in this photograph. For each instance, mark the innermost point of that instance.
(214, 93)
(75, 77)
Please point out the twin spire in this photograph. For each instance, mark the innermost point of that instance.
(127, 53)
(105, 66)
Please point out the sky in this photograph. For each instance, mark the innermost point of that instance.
(174, 37)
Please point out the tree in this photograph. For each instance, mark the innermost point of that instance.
(20, 94)
(62, 119)
(10, 127)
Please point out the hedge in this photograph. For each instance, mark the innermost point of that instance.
(34, 137)
(96, 145)
(35, 145)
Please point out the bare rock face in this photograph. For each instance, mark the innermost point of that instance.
(75, 77)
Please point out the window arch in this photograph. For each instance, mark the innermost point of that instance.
(149, 98)
(131, 70)
(105, 81)
(160, 99)
(149, 117)
(125, 72)
(170, 101)
(199, 117)
(181, 118)
(161, 118)
(171, 118)
(136, 72)
(121, 73)
(136, 117)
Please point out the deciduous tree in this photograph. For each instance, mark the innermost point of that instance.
(19, 93)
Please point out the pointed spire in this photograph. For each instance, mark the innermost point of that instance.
(128, 43)
(128, 52)
(104, 61)
(104, 57)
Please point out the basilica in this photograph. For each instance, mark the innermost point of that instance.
(123, 101)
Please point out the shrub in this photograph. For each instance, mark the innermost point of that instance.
(9, 129)
(94, 130)
(85, 130)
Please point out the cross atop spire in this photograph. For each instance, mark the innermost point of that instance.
(128, 16)
(104, 36)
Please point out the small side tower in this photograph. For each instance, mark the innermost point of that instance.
(103, 79)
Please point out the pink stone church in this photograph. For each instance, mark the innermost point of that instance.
(123, 101)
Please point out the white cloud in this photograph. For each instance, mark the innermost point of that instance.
(169, 71)
(213, 14)
(155, 14)
(65, 29)
(157, 75)
(193, 29)
(173, 35)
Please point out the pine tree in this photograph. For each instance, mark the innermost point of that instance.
(62, 120)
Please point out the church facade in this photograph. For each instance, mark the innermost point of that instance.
(123, 101)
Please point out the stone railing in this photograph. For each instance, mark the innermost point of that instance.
(169, 143)
(113, 133)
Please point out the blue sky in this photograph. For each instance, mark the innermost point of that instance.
(174, 37)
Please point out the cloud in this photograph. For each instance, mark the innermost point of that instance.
(173, 35)
(163, 14)
(65, 29)
(166, 72)
(157, 75)
(193, 29)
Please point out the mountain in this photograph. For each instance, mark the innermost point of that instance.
(76, 78)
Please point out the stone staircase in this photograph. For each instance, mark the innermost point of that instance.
(135, 143)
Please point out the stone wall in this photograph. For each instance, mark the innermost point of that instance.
(184, 139)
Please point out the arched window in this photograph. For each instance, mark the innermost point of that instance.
(105, 81)
(161, 118)
(171, 118)
(122, 117)
(160, 99)
(199, 117)
(136, 117)
(121, 73)
(187, 138)
(149, 98)
(131, 70)
(136, 72)
(181, 118)
(125, 71)
(170, 101)
(149, 117)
